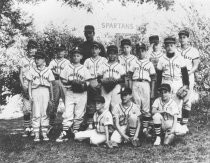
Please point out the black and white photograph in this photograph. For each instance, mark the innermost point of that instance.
(104, 81)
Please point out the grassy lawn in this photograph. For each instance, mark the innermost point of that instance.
(194, 147)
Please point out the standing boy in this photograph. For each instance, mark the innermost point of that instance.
(126, 118)
(127, 60)
(144, 75)
(102, 121)
(111, 75)
(57, 65)
(75, 77)
(93, 64)
(27, 62)
(40, 86)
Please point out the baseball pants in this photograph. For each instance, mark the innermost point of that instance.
(75, 104)
(95, 137)
(116, 137)
(112, 98)
(41, 98)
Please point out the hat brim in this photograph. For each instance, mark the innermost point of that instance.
(163, 88)
(39, 56)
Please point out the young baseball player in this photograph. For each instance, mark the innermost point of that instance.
(192, 58)
(171, 69)
(165, 112)
(40, 92)
(111, 75)
(26, 63)
(102, 121)
(126, 60)
(126, 118)
(93, 64)
(57, 65)
(75, 77)
(144, 75)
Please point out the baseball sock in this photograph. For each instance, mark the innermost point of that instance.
(146, 122)
(185, 116)
(132, 131)
(27, 120)
(157, 129)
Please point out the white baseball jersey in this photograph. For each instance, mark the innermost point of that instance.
(155, 56)
(114, 70)
(169, 108)
(171, 67)
(93, 65)
(102, 120)
(119, 111)
(189, 55)
(72, 72)
(40, 77)
(58, 65)
(127, 61)
(143, 69)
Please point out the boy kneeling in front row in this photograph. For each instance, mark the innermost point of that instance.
(165, 112)
(102, 122)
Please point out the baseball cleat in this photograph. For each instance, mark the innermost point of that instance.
(63, 137)
(26, 132)
(45, 138)
(36, 139)
(32, 132)
(157, 141)
(146, 133)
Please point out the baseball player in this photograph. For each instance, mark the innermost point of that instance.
(111, 75)
(165, 112)
(57, 65)
(102, 121)
(40, 86)
(75, 78)
(127, 59)
(171, 69)
(92, 64)
(126, 118)
(26, 63)
(144, 75)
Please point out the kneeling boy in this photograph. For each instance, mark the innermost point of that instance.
(102, 121)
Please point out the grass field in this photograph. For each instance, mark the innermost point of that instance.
(194, 147)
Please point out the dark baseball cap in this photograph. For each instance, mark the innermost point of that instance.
(170, 40)
(154, 39)
(100, 99)
(125, 91)
(76, 50)
(40, 54)
(95, 44)
(60, 47)
(89, 28)
(112, 48)
(184, 32)
(126, 42)
(32, 44)
(141, 46)
(165, 86)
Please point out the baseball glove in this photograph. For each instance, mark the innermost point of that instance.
(135, 142)
(109, 84)
(182, 92)
(78, 86)
(109, 144)
(169, 137)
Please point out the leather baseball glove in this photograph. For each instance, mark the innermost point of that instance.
(109, 84)
(182, 92)
(78, 86)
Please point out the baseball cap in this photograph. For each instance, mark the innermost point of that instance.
(125, 42)
(141, 46)
(61, 47)
(170, 40)
(95, 44)
(89, 28)
(112, 48)
(76, 50)
(125, 91)
(32, 44)
(40, 54)
(100, 99)
(154, 39)
(165, 86)
(184, 32)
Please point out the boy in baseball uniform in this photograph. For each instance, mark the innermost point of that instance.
(57, 65)
(126, 59)
(93, 64)
(126, 118)
(165, 112)
(40, 92)
(102, 122)
(172, 69)
(26, 63)
(111, 75)
(75, 78)
(144, 77)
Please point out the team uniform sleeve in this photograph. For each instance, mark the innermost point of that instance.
(160, 64)
(108, 120)
(65, 73)
(51, 76)
(138, 112)
(86, 63)
(195, 54)
(51, 65)
(152, 69)
(155, 106)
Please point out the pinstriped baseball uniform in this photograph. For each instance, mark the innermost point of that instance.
(41, 79)
(142, 70)
(115, 71)
(74, 102)
(189, 55)
(97, 135)
(128, 118)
